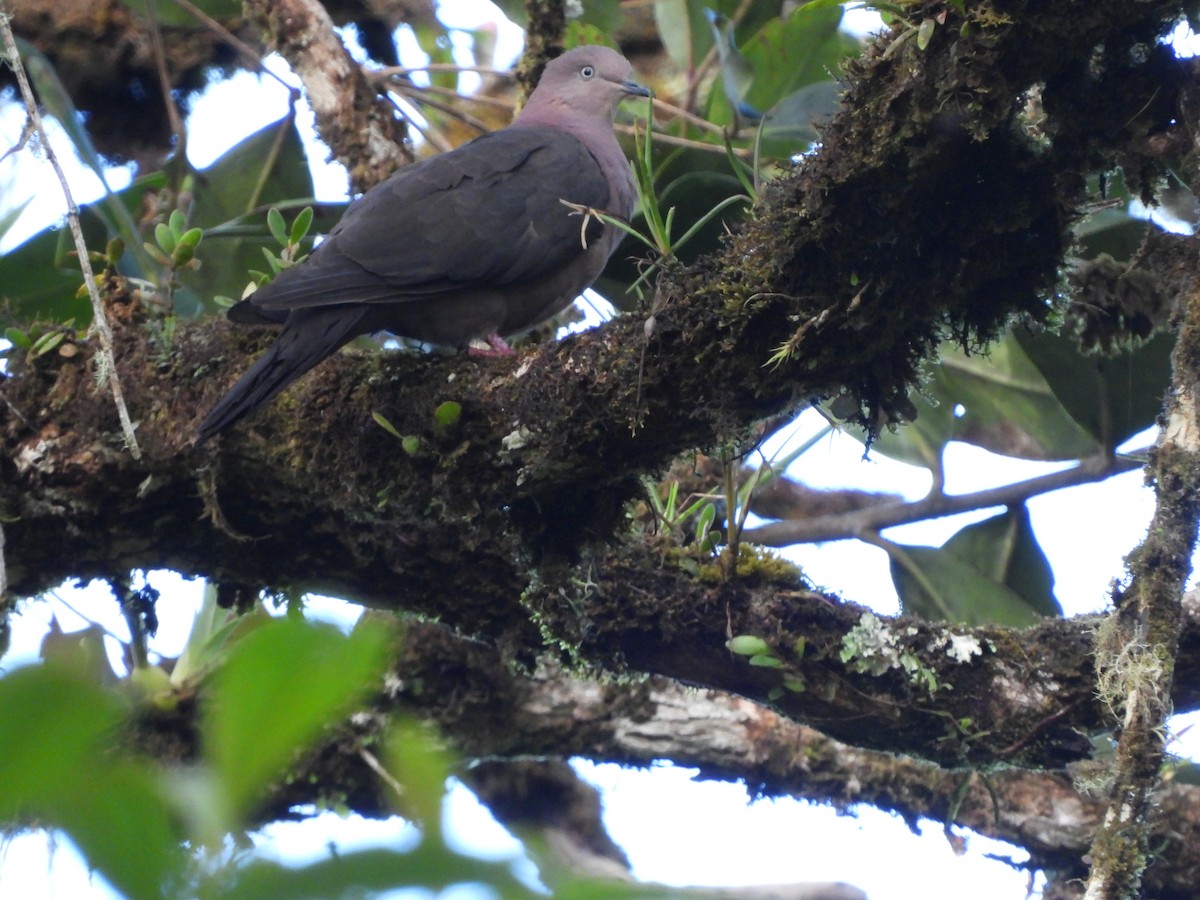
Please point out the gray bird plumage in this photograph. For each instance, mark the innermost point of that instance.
(473, 243)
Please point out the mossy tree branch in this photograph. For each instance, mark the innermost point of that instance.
(931, 210)
(491, 710)
(1137, 654)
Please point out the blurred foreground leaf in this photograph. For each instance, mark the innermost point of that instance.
(281, 685)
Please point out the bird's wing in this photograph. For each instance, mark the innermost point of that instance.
(487, 214)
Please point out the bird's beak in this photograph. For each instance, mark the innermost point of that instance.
(633, 89)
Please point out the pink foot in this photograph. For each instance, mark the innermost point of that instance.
(495, 346)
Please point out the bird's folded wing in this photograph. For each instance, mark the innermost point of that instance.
(488, 215)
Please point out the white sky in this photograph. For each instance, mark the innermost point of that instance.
(675, 830)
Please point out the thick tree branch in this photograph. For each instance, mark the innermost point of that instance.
(314, 495)
(1138, 653)
(358, 125)
(492, 712)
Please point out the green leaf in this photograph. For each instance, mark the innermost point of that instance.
(261, 171)
(156, 254)
(176, 222)
(791, 124)
(185, 247)
(794, 684)
(418, 759)
(766, 661)
(705, 519)
(56, 100)
(281, 685)
(993, 572)
(1005, 549)
(18, 338)
(382, 421)
(300, 225)
(1000, 402)
(935, 585)
(47, 342)
(165, 237)
(747, 645)
(376, 872)
(787, 54)
(447, 414)
(56, 722)
(10, 216)
(114, 251)
(925, 33)
(276, 226)
(39, 278)
(684, 31)
(191, 238)
(273, 262)
(1111, 397)
(121, 823)
(58, 765)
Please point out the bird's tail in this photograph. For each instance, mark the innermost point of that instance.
(307, 338)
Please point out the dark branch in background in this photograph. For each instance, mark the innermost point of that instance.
(878, 517)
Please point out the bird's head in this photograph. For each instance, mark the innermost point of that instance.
(588, 81)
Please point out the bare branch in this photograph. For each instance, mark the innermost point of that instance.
(877, 518)
(107, 368)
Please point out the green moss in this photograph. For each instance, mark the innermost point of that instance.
(755, 563)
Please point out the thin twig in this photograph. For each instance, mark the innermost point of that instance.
(671, 139)
(377, 767)
(91, 620)
(108, 364)
(16, 412)
(22, 141)
(440, 67)
(413, 94)
(431, 134)
(407, 87)
(678, 112)
(864, 521)
(164, 78)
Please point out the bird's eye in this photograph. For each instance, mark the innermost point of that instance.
(587, 72)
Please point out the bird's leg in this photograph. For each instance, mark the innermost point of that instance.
(496, 346)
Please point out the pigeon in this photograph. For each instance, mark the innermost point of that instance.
(483, 241)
